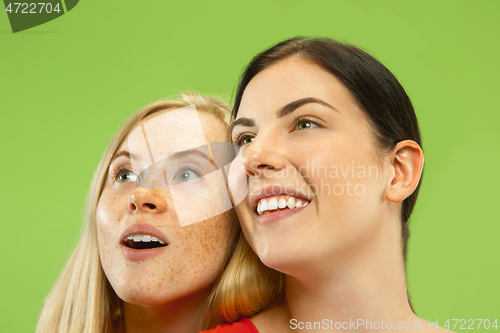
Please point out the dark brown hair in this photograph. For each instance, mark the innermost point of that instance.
(376, 90)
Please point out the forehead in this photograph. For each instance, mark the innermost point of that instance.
(183, 124)
(289, 80)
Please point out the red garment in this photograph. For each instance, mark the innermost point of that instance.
(244, 325)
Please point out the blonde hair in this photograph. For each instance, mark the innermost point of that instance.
(82, 300)
(246, 287)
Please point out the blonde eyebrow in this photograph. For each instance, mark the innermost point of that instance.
(184, 153)
(121, 153)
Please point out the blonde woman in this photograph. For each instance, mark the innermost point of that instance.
(135, 268)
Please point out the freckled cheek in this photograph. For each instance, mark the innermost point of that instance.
(194, 261)
(108, 217)
(111, 208)
(204, 245)
(109, 254)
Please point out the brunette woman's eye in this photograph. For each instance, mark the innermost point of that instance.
(125, 175)
(246, 140)
(304, 123)
(243, 139)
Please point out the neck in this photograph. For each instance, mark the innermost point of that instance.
(367, 284)
(185, 314)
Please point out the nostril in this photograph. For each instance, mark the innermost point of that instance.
(150, 206)
(265, 166)
(132, 206)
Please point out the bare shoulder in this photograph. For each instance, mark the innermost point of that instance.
(273, 319)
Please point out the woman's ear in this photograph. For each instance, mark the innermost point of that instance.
(407, 159)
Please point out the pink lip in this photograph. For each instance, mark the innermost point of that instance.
(141, 229)
(274, 190)
(278, 215)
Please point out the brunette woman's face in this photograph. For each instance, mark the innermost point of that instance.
(147, 256)
(304, 138)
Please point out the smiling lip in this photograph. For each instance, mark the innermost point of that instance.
(142, 254)
(275, 190)
(277, 215)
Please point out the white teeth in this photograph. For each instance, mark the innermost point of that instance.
(282, 203)
(273, 204)
(144, 238)
(263, 206)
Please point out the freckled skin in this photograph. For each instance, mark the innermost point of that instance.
(195, 255)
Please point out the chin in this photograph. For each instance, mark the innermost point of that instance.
(141, 291)
(149, 297)
(144, 300)
(283, 258)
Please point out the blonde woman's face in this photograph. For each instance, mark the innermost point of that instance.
(147, 256)
(304, 138)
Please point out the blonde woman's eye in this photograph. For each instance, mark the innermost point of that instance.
(124, 176)
(187, 175)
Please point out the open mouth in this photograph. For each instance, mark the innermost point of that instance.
(281, 202)
(141, 242)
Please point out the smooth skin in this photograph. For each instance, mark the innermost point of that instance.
(168, 292)
(342, 254)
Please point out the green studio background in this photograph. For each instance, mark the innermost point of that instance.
(67, 85)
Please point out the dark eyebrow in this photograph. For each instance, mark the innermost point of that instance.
(290, 107)
(286, 110)
(241, 122)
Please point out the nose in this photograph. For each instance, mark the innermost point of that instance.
(147, 201)
(263, 154)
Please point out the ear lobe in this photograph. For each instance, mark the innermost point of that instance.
(407, 159)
